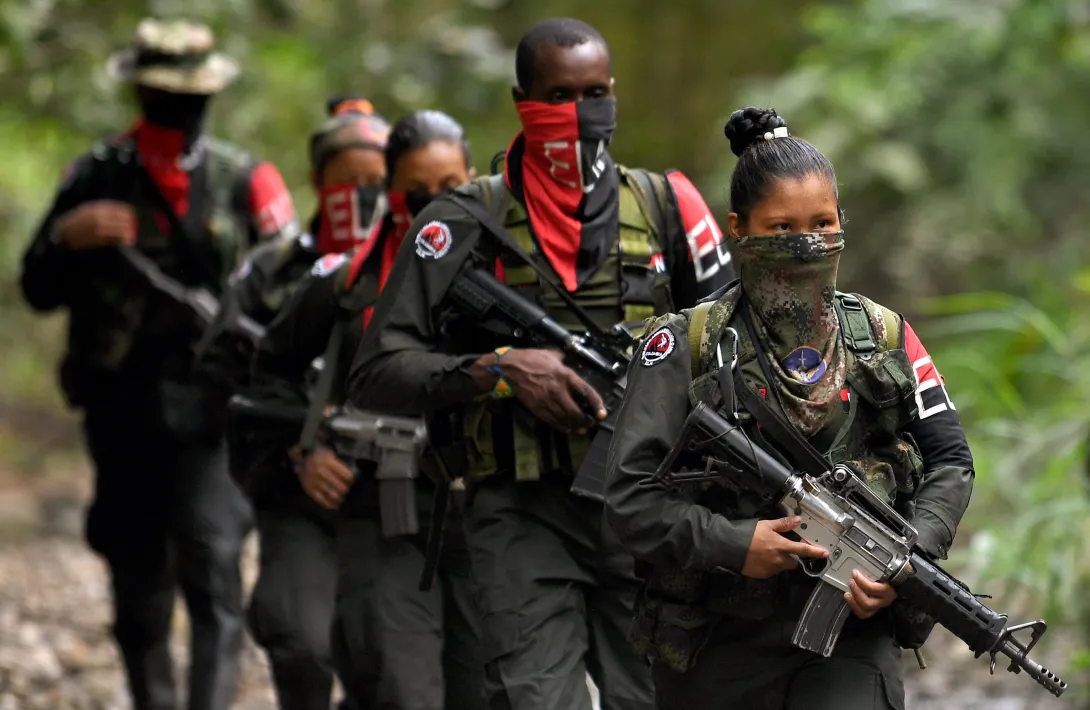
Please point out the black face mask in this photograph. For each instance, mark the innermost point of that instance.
(372, 203)
(417, 200)
(183, 112)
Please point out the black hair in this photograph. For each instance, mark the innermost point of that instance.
(555, 32)
(417, 130)
(761, 162)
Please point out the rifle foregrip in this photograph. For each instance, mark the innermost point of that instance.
(822, 619)
(952, 605)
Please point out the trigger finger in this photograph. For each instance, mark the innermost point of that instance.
(571, 414)
(587, 393)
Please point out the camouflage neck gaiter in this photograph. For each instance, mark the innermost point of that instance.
(790, 283)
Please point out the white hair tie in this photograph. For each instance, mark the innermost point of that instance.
(780, 132)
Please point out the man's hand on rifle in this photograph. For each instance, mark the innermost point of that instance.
(867, 597)
(771, 553)
(547, 387)
(325, 478)
(102, 223)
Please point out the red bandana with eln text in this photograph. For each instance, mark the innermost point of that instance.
(549, 167)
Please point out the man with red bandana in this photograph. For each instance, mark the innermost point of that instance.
(166, 513)
(554, 587)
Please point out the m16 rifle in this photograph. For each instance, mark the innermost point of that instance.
(395, 444)
(600, 361)
(841, 514)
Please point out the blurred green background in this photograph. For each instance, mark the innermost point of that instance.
(960, 130)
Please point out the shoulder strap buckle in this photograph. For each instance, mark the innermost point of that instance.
(855, 325)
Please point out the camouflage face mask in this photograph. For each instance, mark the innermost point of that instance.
(790, 283)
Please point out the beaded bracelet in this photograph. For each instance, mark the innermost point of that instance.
(502, 389)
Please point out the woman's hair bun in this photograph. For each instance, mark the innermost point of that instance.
(748, 126)
(337, 105)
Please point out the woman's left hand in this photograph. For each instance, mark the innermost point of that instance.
(867, 597)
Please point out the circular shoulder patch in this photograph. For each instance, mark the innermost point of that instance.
(328, 264)
(658, 346)
(433, 241)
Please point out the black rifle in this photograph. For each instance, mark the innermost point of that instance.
(394, 443)
(601, 362)
(842, 515)
(199, 300)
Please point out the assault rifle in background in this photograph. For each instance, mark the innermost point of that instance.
(841, 514)
(230, 337)
(394, 443)
(602, 362)
(199, 300)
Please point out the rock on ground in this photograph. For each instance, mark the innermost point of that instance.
(56, 652)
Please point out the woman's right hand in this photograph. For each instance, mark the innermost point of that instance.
(771, 553)
(325, 478)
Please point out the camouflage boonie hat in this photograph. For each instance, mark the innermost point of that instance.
(174, 56)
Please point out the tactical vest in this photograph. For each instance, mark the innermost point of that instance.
(678, 608)
(105, 332)
(629, 287)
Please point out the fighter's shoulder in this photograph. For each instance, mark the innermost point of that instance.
(331, 267)
(665, 338)
(92, 166)
(706, 321)
(442, 226)
(229, 153)
(887, 325)
(267, 258)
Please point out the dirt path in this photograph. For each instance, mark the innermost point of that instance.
(56, 652)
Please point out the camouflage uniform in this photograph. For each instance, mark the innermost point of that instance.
(166, 513)
(392, 645)
(554, 587)
(720, 640)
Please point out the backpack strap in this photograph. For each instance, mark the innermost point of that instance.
(229, 169)
(855, 325)
(697, 319)
(650, 190)
(496, 186)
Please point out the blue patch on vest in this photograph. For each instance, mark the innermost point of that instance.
(805, 365)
